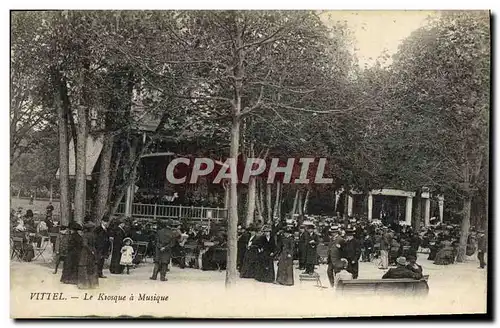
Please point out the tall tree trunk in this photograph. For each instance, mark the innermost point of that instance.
(306, 200)
(251, 200)
(464, 231)
(300, 205)
(62, 122)
(232, 233)
(260, 190)
(346, 203)
(295, 200)
(277, 200)
(269, 206)
(129, 175)
(258, 202)
(81, 159)
(232, 229)
(226, 195)
(417, 211)
(101, 199)
(114, 172)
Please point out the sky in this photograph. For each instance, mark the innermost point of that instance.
(375, 31)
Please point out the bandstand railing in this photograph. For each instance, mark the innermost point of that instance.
(156, 211)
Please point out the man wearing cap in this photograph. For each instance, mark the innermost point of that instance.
(481, 249)
(401, 271)
(352, 253)
(163, 250)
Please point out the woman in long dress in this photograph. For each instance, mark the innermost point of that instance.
(267, 249)
(285, 263)
(87, 266)
(249, 265)
(70, 265)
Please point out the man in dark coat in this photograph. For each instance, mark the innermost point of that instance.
(413, 265)
(302, 247)
(102, 244)
(401, 271)
(118, 235)
(165, 238)
(311, 249)
(481, 248)
(352, 253)
(243, 237)
(335, 264)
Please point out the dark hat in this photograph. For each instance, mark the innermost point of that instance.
(174, 223)
(266, 228)
(88, 225)
(75, 226)
(251, 227)
(349, 232)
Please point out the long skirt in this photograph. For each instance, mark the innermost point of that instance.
(285, 271)
(249, 266)
(70, 267)
(87, 276)
(115, 266)
(265, 269)
(445, 256)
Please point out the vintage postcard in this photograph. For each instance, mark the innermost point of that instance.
(249, 164)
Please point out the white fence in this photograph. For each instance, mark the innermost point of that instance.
(174, 212)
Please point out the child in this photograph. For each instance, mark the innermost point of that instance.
(127, 254)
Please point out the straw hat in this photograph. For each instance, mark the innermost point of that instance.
(128, 238)
(401, 261)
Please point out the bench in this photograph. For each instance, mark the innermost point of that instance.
(407, 287)
(311, 277)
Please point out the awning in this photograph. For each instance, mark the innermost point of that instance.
(94, 148)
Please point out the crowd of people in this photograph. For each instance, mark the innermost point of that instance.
(341, 243)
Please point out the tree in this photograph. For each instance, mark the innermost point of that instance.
(441, 87)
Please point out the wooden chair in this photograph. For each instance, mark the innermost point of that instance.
(40, 250)
(17, 247)
(140, 249)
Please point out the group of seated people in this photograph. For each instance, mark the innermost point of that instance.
(30, 232)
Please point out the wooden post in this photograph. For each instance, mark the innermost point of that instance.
(154, 211)
(51, 192)
(370, 206)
